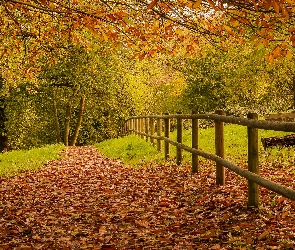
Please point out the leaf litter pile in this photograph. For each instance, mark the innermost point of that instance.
(87, 201)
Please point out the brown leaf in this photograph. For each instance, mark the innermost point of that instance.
(142, 223)
(263, 235)
(164, 204)
(108, 191)
(108, 247)
(102, 230)
(285, 214)
(276, 6)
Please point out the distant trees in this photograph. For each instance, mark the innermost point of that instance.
(155, 86)
(238, 80)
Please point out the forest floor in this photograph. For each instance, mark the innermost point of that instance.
(87, 201)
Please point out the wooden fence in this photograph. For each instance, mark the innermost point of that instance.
(150, 127)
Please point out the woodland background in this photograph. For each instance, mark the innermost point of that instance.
(74, 71)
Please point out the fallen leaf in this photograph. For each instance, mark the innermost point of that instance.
(102, 230)
(263, 235)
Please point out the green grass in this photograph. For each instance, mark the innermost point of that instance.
(134, 151)
(28, 160)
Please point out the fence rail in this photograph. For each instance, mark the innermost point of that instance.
(145, 127)
(267, 125)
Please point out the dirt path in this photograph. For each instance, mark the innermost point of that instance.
(86, 201)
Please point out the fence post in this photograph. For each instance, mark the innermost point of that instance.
(128, 126)
(131, 125)
(146, 129)
(253, 162)
(136, 125)
(195, 143)
(179, 139)
(152, 129)
(159, 133)
(219, 147)
(124, 129)
(167, 134)
(139, 126)
(142, 127)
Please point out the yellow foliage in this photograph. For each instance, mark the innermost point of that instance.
(179, 32)
(197, 4)
(289, 55)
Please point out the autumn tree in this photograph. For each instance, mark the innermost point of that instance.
(145, 25)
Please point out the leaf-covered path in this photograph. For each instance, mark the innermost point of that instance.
(86, 201)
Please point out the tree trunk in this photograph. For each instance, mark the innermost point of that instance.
(3, 143)
(67, 122)
(3, 131)
(56, 123)
(79, 122)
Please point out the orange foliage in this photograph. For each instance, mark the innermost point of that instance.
(144, 24)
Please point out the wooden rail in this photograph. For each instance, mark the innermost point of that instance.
(153, 123)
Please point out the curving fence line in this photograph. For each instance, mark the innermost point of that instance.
(148, 126)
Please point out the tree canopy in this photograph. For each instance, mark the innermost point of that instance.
(149, 26)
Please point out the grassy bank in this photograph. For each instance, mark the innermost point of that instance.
(133, 150)
(26, 160)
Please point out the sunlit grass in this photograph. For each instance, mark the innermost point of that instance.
(132, 150)
(28, 160)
